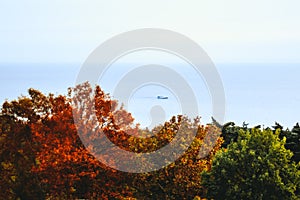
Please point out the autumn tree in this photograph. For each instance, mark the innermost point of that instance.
(51, 147)
(65, 166)
(181, 179)
(42, 155)
(17, 151)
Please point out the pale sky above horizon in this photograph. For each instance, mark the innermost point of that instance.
(229, 31)
(44, 43)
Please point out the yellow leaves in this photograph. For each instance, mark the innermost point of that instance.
(128, 198)
(252, 152)
(2, 136)
(199, 198)
(140, 145)
(20, 151)
(72, 190)
(13, 178)
(7, 165)
(184, 160)
(37, 161)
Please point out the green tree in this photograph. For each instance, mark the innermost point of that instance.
(292, 139)
(257, 166)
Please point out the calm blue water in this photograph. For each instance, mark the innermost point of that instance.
(255, 93)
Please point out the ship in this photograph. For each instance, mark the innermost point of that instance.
(162, 97)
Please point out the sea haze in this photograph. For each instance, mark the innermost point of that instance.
(255, 93)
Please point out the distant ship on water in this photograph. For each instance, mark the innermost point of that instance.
(162, 97)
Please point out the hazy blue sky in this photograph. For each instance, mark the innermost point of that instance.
(230, 31)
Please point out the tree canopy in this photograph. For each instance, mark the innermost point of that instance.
(256, 166)
(48, 151)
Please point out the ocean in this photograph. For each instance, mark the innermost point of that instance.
(257, 93)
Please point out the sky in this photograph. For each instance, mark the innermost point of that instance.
(231, 31)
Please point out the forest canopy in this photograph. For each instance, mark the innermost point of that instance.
(42, 155)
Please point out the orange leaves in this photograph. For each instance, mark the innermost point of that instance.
(44, 128)
(63, 161)
(90, 174)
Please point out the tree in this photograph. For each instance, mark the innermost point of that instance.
(41, 154)
(292, 139)
(257, 166)
(17, 151)
(294, 142)
(66, 167)
(181, 179)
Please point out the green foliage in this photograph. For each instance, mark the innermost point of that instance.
(230, 134)
(256, 166)
(292, 139)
